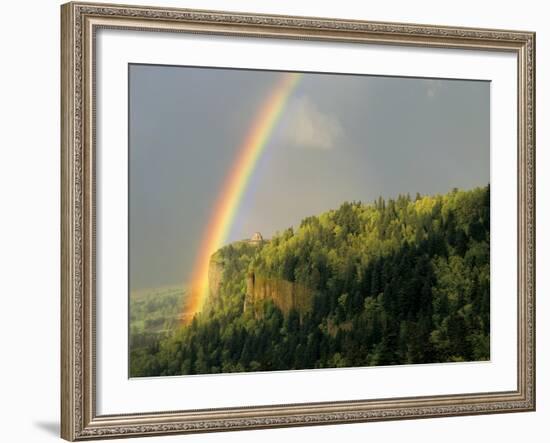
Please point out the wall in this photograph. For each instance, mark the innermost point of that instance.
(29, 222)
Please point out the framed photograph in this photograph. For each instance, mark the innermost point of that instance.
(283, 221)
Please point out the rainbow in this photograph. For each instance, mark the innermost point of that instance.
(234, 187)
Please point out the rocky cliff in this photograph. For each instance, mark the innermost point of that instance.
(284, 294)
(215, 278)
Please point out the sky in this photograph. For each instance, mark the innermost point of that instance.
(340, 138)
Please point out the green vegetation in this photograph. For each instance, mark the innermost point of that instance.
(401, 281)
(154, 315)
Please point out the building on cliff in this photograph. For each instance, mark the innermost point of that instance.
(256, 239)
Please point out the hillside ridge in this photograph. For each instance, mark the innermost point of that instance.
(398, 281)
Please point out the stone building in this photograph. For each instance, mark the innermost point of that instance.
(256, 239)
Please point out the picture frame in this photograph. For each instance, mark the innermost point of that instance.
(80, 177)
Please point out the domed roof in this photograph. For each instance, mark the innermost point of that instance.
(257, 237)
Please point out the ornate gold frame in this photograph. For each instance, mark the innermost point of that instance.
(79, 22)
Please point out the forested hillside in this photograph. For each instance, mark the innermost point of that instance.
(399, 281)
(154, 315)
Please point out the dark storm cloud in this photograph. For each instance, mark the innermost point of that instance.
(341, 138)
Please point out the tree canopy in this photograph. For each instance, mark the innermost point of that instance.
(398, 281)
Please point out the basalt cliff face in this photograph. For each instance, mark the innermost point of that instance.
(215, 278)
(284, 294)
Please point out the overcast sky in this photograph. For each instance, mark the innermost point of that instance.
(342, 137)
